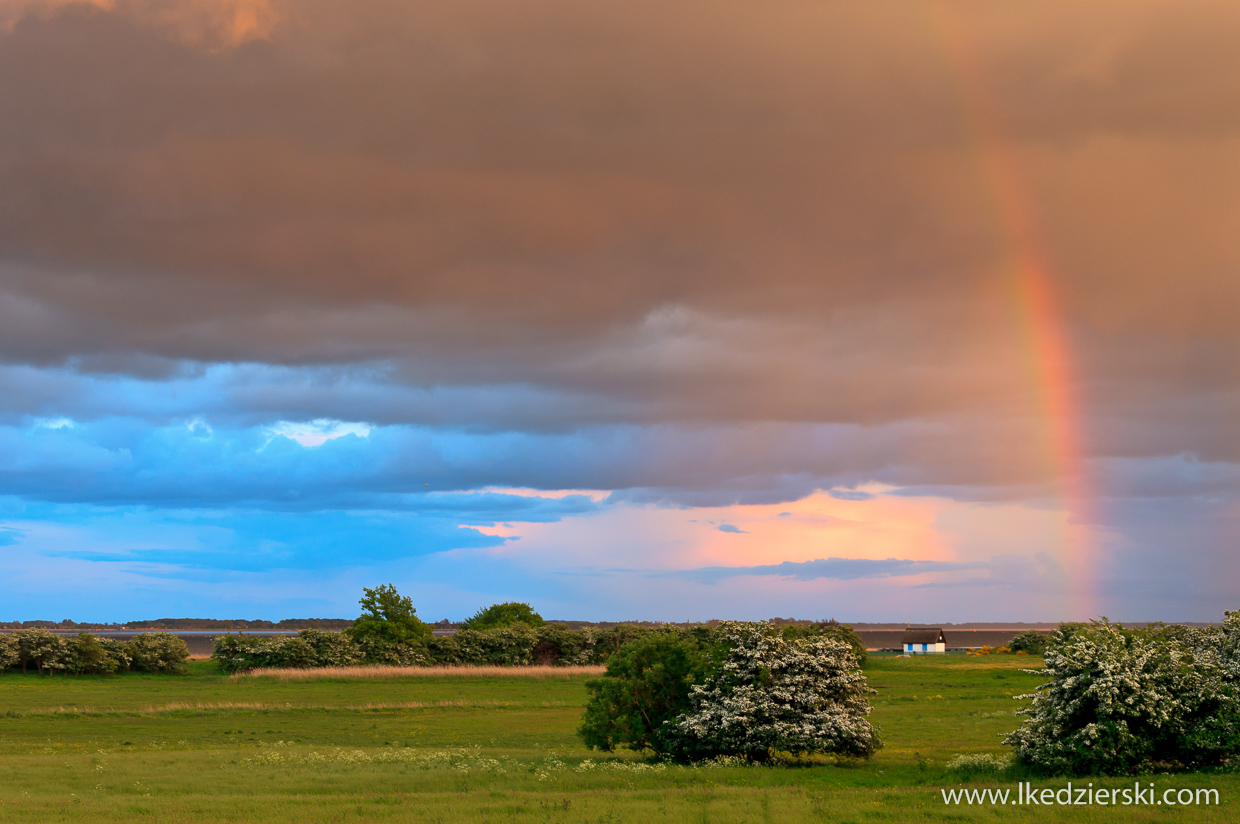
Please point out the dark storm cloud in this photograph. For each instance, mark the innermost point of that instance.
(582, 164)
(570, 216)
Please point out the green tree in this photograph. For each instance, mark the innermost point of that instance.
(1030, 641)
(646, 687)
(503, 615)
(90, 656)
(388, 616)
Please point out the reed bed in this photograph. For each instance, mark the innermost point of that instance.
(381, 672)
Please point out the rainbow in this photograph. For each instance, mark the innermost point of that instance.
(1037, 313)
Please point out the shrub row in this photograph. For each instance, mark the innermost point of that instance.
(515, 645)
(87, 654)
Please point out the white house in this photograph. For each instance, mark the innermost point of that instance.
(924, 641)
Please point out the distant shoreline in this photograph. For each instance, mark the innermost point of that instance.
(290, 626)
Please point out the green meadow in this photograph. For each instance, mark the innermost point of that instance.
(452, 748)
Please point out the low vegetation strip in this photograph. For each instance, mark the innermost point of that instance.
(540, 672)
(474, 759)
(257, 706)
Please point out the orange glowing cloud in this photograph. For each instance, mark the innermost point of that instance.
(819, 526)
(860, 524)
(211, 24)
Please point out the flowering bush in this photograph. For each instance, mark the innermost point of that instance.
(772, 694)
(329, 649)
(378, 650)
(235, 653)
(157, 652)
(830, 629)
(89, 654)
(507, 646)
(118, 651)
(1225, 640)
(39, 647)
(1122, 701)
(309, 648)
(8, 651)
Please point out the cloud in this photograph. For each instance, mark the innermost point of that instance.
(564, 187)
(214, 24)
(843, 569)
(167, 460)
(850, 495)
(10, 537)
(318, 431)
(374, 257)
(735, 530)
(650, 222)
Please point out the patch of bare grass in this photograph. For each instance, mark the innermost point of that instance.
(537, 672)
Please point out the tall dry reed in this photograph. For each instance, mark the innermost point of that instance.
(422, 672)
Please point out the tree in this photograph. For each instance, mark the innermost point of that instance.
(387, 616)
(503, 615)
(90, 656)
(646, 687)
(1030, 641)
(46, 650)
(770, 694)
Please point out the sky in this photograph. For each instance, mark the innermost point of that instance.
(668, 310)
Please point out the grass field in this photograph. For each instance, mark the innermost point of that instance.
(487, 748)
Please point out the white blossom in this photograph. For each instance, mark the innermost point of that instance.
(1123, 701)
(771, 695)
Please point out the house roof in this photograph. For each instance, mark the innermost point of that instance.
(924, 635)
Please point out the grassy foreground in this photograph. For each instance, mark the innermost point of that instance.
(500, 748)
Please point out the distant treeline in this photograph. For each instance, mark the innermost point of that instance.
(189, 624)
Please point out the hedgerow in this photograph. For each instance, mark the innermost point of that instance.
(516, 644)
(513, 645)
(89, 654)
